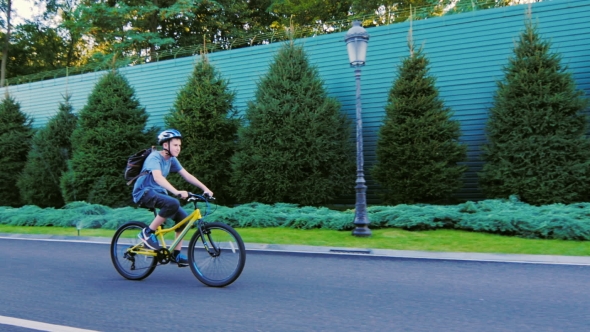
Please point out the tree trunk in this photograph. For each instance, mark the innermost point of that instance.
(153, 27)
(6, 43)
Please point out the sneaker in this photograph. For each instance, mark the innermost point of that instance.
(149, 239)
(181, 260)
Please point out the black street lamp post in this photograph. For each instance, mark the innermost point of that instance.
(357, 39)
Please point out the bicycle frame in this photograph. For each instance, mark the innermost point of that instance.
(189, 221)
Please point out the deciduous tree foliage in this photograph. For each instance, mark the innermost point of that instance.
(207, 118)
(142, 27)
(418, 152)
(463, 6)
(223, 24)
(15, 142)
(309, 12)
(36, 48)
(40, 44)
(297, 146)
(536, 144)
(111, 127)
(95, 33)
(6, 24)
(48, 159)
(396, 10)
(122, 27)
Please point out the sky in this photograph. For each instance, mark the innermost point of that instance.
(24, 9)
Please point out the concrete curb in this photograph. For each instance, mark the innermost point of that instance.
(435, 255)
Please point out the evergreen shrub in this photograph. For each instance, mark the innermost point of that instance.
(205, 115)
(537, 147)
(418, 150)
(413, 217)
(16, 132)
(296, 147)
(48, 159)
(284, 215)
(76, 214)
(506, 217)
(111, 127)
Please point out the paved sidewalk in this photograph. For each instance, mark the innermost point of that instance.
(460, 256)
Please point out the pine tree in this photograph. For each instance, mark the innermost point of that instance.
(297, 146)
(205, 115)
(111, 127)
(536, 145)
(418, 147)
(47, 160)
(16, 132)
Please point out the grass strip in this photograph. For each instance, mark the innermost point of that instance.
(391, 238)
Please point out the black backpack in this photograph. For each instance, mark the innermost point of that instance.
(135, 164)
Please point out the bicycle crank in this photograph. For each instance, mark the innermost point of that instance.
(163, 256)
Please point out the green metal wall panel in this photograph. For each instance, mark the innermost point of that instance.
(467, 53)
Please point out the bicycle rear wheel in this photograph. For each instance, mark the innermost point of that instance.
(130, 265)
(219, 258)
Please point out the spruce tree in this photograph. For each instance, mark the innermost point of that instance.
(205, 115)
(111, 127)
(297, 147)
(418, 147)
(16, 132)
(536, 146)
(47, 160)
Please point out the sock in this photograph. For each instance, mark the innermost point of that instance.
(150, 231)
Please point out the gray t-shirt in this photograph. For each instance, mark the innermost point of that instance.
(155, 161)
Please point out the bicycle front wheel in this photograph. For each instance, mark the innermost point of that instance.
(217, 256)
(131, 264)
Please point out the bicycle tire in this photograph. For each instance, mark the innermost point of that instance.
(225, 260)
(128, 265)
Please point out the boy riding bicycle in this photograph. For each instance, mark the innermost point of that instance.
(151, 190)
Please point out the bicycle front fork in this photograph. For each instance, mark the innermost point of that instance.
(206, 236)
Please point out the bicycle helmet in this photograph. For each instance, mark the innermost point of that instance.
(167, 135)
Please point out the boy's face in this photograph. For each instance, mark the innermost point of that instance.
(174, 146)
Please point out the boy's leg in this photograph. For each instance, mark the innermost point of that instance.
(157, 222)
(168, 208)
(178, 217)
(179, 258)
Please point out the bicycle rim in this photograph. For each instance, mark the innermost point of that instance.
(129, 265)
(223, 261)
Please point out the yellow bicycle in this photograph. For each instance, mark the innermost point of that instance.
(216, 252)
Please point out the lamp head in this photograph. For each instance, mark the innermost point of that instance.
(357, 40)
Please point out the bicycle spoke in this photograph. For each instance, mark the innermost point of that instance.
(218, 261)
(127, 254)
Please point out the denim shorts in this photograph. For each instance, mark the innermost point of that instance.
(168, 207)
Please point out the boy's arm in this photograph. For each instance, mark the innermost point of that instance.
(161, 180)
(188, 177)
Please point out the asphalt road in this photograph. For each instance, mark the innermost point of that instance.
(75, 285)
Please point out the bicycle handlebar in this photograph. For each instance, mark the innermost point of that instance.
(192, 197)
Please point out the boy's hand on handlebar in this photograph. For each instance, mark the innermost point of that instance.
(182, 194)
(208, 193)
